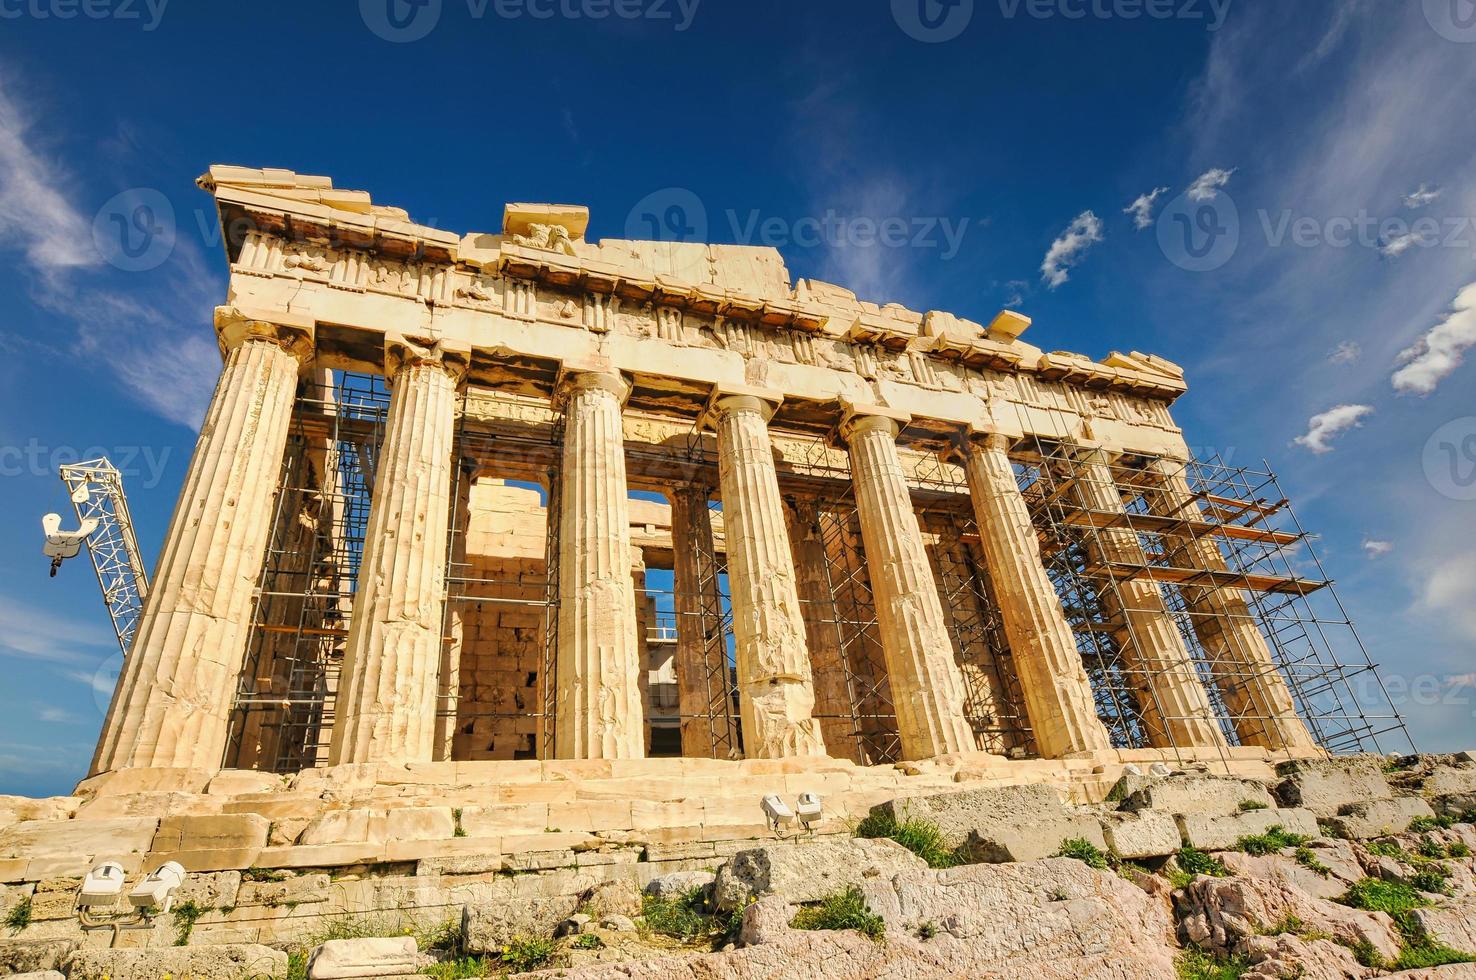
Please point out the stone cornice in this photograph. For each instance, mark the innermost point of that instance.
(452, 270)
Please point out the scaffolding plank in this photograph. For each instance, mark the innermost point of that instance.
(1208, 579)
(1173, 525)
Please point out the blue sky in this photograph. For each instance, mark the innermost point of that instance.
(1008, 140)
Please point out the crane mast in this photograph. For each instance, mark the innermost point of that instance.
(96, 489)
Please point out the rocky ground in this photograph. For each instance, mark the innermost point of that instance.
(1348, 868)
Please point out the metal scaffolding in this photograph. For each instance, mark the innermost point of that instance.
(284, 705)
(1107, 522)
(283, 708)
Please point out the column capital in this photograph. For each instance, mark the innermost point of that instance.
(401, 352)
(729, 398)
(573, 380)
(857, 418)
(294, 333)
(970, 438)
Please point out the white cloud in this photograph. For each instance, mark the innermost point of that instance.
(1419, 198)
(1377, 549)
(1070, 248)
(1392, 248)
(1142, 208)
(57, 716)
(1346, 353)
(1437, 354)
(1327, 426)
(1206, 186)
(1016, 292)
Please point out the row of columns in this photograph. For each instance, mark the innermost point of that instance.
(171, 705)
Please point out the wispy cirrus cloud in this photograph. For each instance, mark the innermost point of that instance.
(1069, 248)
(34, 634)
(150, 329)
(36, 217)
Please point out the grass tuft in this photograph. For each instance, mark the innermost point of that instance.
(1307, 859)
(19, 915)
(1423, 825)
(685, 917)
(842, 910)
(1399, 901)
(525, 954)
(1386, 848)
(1084, 851)
(1192, 862)
(186, 914)
(1273, 840)
(1196, 964)
(919, 836)
(1246, 806)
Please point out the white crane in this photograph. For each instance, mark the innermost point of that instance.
(96, 489)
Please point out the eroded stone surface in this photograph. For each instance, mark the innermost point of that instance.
(806, 871)
(227, 962)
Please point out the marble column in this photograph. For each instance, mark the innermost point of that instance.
(927, 687)
(388, 694)
(832, 698)
(173, 699)
(776, 693)
(598, 679)
(1245, 673)
(1058, 695)
(699, 627)
(1172, 703)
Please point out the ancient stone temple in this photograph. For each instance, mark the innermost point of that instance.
(441, 475)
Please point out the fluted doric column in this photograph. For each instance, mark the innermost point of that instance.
(1256, 695)
(927, 687)
(1058, 696)
(174, 695)
(387, 698)
(776, 694)
(1172, 702)
(598, 684)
